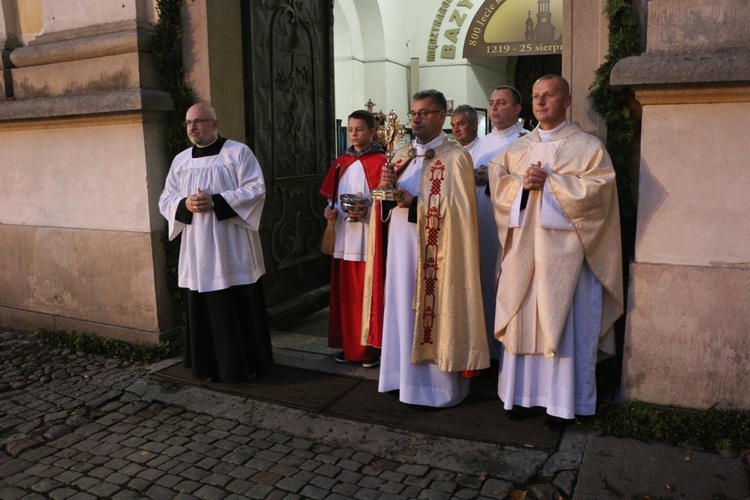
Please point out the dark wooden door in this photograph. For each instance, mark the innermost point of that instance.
(288, 71)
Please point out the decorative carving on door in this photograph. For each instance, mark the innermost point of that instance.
(291, 125)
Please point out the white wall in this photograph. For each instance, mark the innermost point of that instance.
(375, 40)
(84, 162)
(684, 220)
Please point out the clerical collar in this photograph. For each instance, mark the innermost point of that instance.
(547, 135)
(432, 144)
(513, 129)
(374, 147)
(211, 150)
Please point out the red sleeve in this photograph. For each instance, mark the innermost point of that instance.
(373, 165)
(327, 188)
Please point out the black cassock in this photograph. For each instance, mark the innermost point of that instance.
(227, 337)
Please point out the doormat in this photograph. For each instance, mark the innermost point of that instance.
(479, 417)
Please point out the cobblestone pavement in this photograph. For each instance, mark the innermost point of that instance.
(77, 426)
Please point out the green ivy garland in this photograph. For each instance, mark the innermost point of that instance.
(713, 428)
(623, 129)
(167, 53)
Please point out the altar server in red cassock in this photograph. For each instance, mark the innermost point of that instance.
(355, 172)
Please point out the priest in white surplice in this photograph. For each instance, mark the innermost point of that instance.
(213, 200)
(560, 288)
(504, 109)
(422, 281)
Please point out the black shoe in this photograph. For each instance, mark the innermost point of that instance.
(519, 413)
(555, 423)
(371, 363)
(251, 377)
(340, 358)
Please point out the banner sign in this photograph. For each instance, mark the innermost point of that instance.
(515, 28)
(454, 17)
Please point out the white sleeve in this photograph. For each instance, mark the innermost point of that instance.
(248, 199)
(552, 216)
(169, 201)
(516, 214)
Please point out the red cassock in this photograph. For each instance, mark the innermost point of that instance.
(347, 277)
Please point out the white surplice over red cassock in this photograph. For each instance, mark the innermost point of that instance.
(358, 173)
(560, 288)
(426, 291)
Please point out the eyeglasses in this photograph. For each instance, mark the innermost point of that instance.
(197, 121)
(421, 114)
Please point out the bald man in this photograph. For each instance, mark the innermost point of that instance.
(560, 288)
(213, 200)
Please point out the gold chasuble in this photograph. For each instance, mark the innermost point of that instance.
(449, 328)
(542, 260)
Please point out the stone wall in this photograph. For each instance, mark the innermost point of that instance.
(82, 135)
(687, 338)
(586, 36)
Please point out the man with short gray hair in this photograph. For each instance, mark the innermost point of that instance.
(464, 123)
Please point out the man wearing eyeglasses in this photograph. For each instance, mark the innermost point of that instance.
(433, 337)
(213, 199)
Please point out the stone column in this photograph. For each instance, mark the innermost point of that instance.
(585, 42)
(687, 339)
(212, 51)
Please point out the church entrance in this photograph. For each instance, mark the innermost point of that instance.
(288, 79)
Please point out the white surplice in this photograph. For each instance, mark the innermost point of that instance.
(351, 237)
(534, 380)
(419, 384)
(214, 254)
(472, 146)
(485, 150)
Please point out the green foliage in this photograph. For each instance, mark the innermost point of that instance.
(623, 132)
(167, 53)
(135, 353)
(713, 429)
(615, 107)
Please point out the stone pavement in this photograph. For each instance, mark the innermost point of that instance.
(82, 426)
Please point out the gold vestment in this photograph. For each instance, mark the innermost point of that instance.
(582, 180)
(449, 328)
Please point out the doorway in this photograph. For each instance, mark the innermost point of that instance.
(289, 118)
